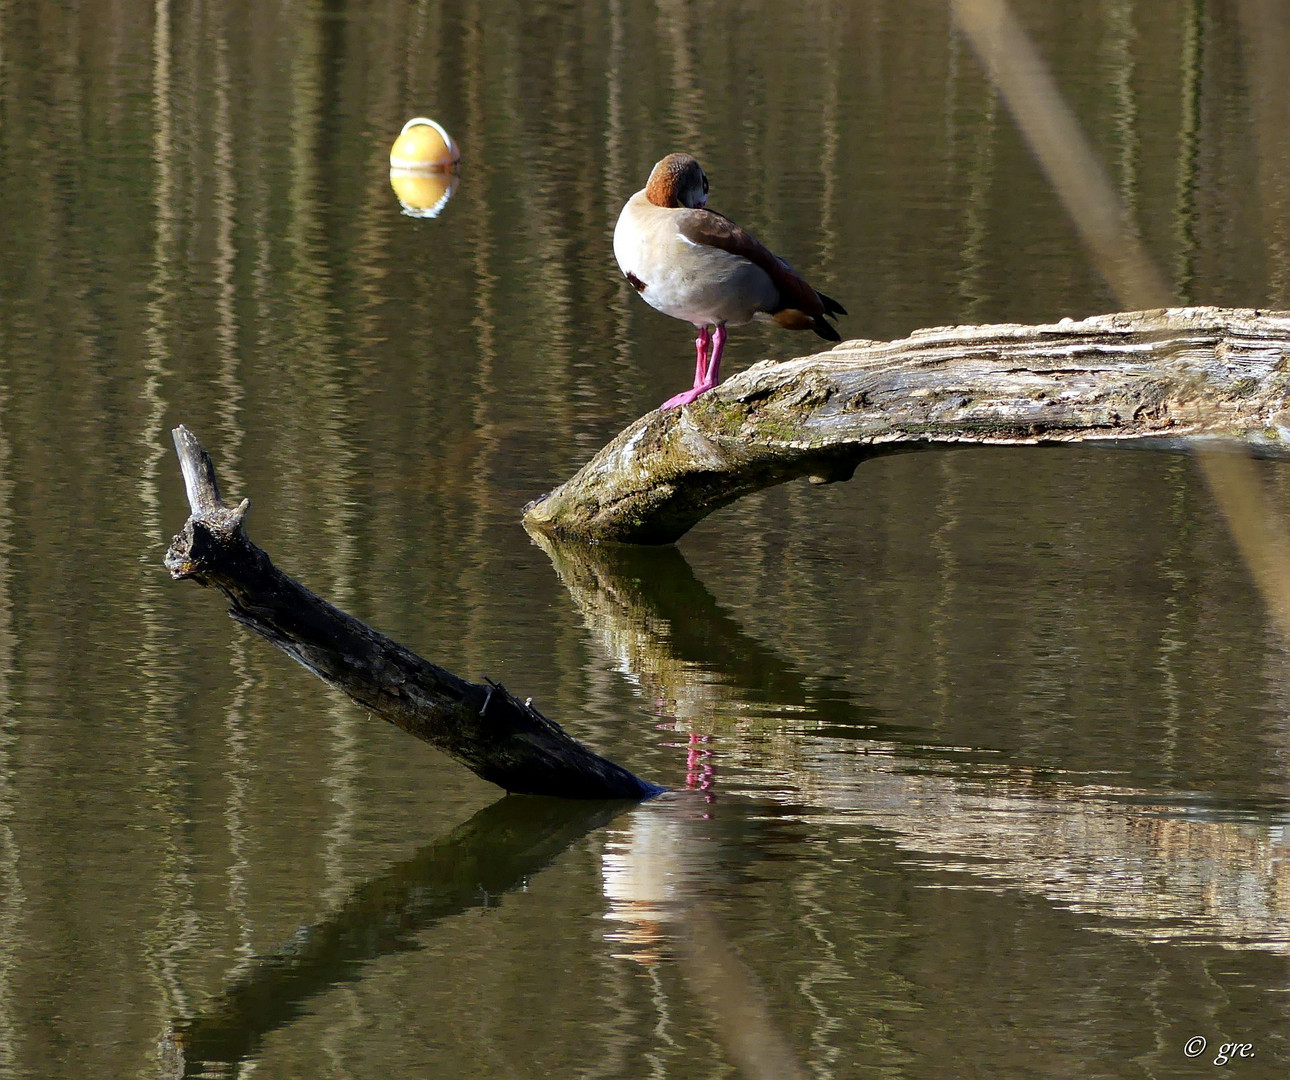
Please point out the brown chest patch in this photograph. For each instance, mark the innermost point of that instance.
(636, 282)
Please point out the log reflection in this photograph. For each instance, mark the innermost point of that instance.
(657, 621)
(1146, 864)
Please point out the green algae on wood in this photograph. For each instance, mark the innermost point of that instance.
(1169, 373)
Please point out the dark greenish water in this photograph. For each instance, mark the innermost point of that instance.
(980, 763)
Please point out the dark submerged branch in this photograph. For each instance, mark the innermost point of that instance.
(1171, 374)
(498, 737)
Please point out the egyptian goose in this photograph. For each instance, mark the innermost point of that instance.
(695, 264)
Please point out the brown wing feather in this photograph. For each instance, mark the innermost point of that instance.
(795, 295)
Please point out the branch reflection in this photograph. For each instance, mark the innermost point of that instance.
(659, 625)
(1150, 865)
(497, 851)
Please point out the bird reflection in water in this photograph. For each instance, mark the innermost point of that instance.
(659, 864)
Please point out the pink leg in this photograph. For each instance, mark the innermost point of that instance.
(701, 345)
(706, 366)
(714, 363)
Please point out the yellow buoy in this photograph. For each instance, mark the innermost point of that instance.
(424, 146)
(423, 167)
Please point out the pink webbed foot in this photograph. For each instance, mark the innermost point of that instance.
(708, 348)
(684, 398)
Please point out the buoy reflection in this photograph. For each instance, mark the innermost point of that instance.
(423, 167)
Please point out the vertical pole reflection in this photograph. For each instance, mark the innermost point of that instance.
(232, 437)
(1265, 26)
(831, 126)
(12, 897)
(225, 201)
(618, 182)
(941, 621)
(162, 284)
(176, 927)
(816, 918)
(4, 61)
(1123, 36)
(675, 18)
(235, 803)
(980, 145)
(484, 324)
(1172, 634)
(1265, 37)
(318, 428)
(1188, 153)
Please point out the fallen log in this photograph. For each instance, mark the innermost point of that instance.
(1168, 374)
(498, 737)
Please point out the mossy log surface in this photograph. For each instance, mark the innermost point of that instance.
(500, 738)
(1168, 374)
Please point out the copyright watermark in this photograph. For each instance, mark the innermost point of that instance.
(1229, 1051)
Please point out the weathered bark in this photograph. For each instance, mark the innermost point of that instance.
(1169, 374)
(501, 739)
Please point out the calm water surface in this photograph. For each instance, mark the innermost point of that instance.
(980, 763)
